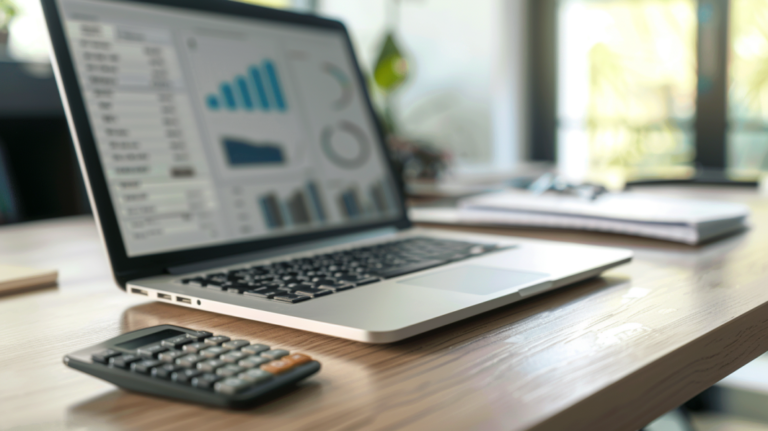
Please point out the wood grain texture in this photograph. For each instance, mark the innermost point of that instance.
(610, 353)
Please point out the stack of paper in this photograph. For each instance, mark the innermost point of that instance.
(672, 219)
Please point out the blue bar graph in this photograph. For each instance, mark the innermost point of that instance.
(213, 103)
(270, 68)
(259, 89)
(351, 204)
(317, 203)
(229, 96)
(245, 94)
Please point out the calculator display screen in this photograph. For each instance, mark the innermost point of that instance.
(149, 339)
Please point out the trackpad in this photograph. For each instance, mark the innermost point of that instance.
(477, 280)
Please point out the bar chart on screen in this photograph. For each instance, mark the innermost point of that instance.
(354, 204)
(301, 207)
(258, 88)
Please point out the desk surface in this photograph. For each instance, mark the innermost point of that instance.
(610, 353)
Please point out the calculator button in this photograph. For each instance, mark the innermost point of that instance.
(216, 341)
(255, 375)
(229, 370)
(233, 357)
(185, 376)
(253, 362)
(171, 355)
(213, 352)
(145, 366)
(275, 354)
(210, 365)
(277, 367)
(177, 342)
(194, 347)
(235, 344)
(151, 351)
(104, 356)
(199, 335)
(124, 361)
(296, 359)
(165, 371)
(189, 361)
(205, 381)
(231, 386)
(255, 349)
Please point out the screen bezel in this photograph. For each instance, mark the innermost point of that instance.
(126, 268)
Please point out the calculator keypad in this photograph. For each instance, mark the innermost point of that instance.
(205, 361)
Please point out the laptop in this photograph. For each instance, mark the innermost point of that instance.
(235, 165)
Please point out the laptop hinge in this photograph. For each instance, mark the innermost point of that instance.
(280, 251)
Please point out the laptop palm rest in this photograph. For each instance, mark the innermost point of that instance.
(477, 280)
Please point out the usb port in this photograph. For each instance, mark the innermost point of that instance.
(139, 291)
(184, 300)
(165, 296)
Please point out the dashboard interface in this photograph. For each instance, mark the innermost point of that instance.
(213, 129)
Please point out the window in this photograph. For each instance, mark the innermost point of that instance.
(627, 85)
(654, 88)
(748, 87)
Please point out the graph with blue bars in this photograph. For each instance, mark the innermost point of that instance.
(258, 89)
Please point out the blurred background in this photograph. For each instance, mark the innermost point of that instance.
(478, 93)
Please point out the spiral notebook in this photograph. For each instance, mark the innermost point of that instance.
(672, 219)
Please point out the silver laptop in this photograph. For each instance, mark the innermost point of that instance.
(235, 165)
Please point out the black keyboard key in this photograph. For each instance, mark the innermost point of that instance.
(104, 356)
(367, 280)
(313, 293)
(336, 287)
(262, 293)
(151, 351)
(145, 366)
(200, 281)
(290, 298)
(407, 269)
(124, 361)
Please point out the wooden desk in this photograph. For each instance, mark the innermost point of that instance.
(610, 353)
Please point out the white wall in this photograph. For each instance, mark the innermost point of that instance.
(466, 92)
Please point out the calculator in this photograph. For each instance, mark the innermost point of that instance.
(196, 366)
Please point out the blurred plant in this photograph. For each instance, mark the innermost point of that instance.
(391, 68)
(8, 11)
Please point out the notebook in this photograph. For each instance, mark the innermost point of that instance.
(672, 219)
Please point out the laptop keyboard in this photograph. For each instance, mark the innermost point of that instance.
(302, 279)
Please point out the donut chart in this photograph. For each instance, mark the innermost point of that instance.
(346, 161)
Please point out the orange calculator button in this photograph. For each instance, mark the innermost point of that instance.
(296, 359)
(277, 367)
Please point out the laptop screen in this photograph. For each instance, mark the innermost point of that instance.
(214, 129)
